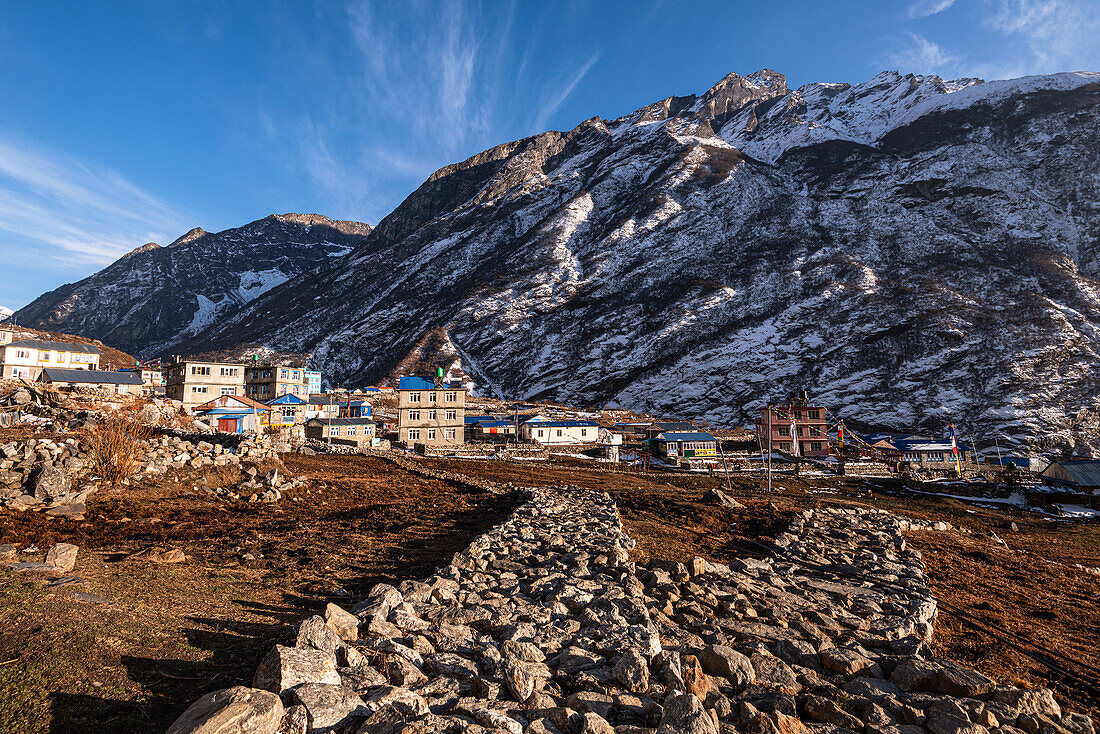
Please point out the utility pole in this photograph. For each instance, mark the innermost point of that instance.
(999, 462)
(769, 448)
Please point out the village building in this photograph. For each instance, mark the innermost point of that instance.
(234, 414)
(1081, 474)
(266, 381)
(556, 433)
(799, 429)
(683, 445)
(322, 406)
(488, 428)
(313, 381)
(359, 432)
(120, 383)
(287, 411)
(654, 429)
(7, 335)
(151, 379)
(431, 412)
(192, 382)
(919, 450)
(26, 358)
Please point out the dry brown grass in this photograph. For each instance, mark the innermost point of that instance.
(117, 446)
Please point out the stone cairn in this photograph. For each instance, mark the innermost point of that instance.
(545, 626)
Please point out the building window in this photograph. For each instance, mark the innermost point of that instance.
(449, 434)
(352, 430)
(784, 431)
(450, 397)
(334, 431)
(200, 370)
(228, 372)
(20, 354)
(229, 391)
(559, 433)
(540, 433)
(450, 415)
(584, 432)
(431, 415)
(414, 397)
(431, 434)
(815, 446)
(432, 397)
(414, 415)
(198, 388)
(801, 430)
(414, 434)
(815, 414)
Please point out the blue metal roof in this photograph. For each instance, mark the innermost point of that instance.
(472, 419)
(286, 400)
(494, 423)
(420, 383)
(673, 436)
(568, 424)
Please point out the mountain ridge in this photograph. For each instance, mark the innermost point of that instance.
(913, 251)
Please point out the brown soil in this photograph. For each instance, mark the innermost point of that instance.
(171, 633)
(175, 632)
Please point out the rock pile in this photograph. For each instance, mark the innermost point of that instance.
(40, 473)
(544, 626)
(174, 451)
(257, 487)
(28, 404)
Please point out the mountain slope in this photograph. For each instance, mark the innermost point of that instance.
(912, 251)
(154, 296)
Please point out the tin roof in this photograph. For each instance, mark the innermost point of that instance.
(674, 426)
(1084, 473)
(493, 423)
(420, 383)
(568, 424)
(55, 346)
(91, 377)
(676, 436)
(342, 421)
(287, 399)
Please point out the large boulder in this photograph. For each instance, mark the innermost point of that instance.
(62, 557)
(236, 710)
(330, 705)
(286, 667)
(727, 663)
(685, 715)
(50, 483)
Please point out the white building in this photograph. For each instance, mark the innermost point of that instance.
(25, 359)
(551, 433)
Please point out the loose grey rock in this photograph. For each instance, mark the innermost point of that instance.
(237, 710)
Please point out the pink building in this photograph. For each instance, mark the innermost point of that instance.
(801, 430)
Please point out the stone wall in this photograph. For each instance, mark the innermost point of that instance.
(544, 625)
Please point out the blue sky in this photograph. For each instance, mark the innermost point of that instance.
(123, 123)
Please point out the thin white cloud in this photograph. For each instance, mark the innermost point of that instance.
(925, 8)
(56, 208)
(1049, 36)
(559, 97)
(922, 56)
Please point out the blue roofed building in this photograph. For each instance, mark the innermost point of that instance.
(431, 412)
(683, 445)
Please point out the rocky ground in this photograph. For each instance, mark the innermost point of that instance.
(170, 632)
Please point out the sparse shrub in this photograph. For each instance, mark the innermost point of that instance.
(117, 446)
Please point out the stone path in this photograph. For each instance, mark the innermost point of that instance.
(544, 625)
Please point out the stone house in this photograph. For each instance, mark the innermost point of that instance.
(359, 432)
(800, 429)
(234, 414)
(265, 382)
(556, 433)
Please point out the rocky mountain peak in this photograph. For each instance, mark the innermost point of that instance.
(734, 92)
(190, 236)
(147, 247)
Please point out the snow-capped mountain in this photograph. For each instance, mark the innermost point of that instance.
(5, 313)
(910, 250)
(153, 297)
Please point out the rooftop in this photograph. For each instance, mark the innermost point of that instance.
(55, 346)
(422, 383)
(91, 377)
(675, 436)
